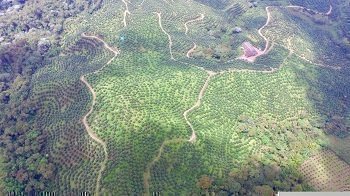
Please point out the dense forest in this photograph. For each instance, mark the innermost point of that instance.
(23, 141)
(26, 46)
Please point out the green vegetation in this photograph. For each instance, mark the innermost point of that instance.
(244, 122)
(166, 95)
(22, 141)
(140, 101)
(49, 141)
(2, 174)
(317, 5)
(63, 100)
(26, 19)
(340, 146)
(320, 44)
(326, 172)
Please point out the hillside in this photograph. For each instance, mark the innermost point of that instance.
(199, 97)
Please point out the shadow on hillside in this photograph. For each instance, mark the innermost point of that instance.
(329, 91)
(188, 166)
(328, 88)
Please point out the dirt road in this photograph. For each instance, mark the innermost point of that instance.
(329, 12)
(91, 133)
(169, 37)
(126, 12)
(197, 104)
(147, 173)
(201, 17)
(261, 28)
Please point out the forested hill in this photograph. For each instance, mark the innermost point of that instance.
(30, 36)
(174, 97)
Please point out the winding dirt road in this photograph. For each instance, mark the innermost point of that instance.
(329, 12)
(201, 17)
(193, 137)
(197, 104)
(261, 28)
(267, 43)
(267, 48)
(190, 51)
(115, 51)
(126, 12)
(166, 33)
(91, 133)
(147, 173)
(334, 67)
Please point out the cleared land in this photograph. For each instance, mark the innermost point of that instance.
(326, 172)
